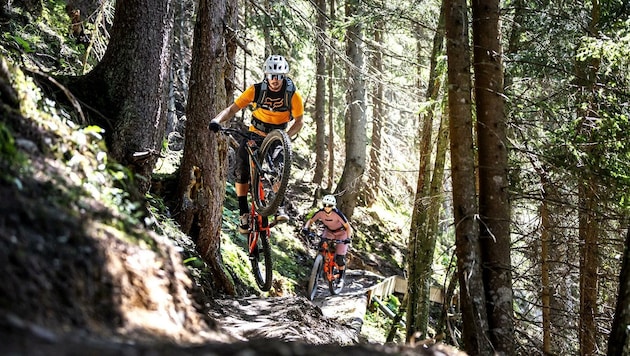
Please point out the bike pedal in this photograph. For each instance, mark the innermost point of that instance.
(255, 255)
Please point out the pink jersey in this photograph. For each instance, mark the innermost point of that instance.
(333, 222)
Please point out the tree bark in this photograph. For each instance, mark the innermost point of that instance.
(545, 238)
(331, 130)
(420, 255)
(494, 206)
(203, 170)
(355, 122)
(320, 94)
(421, 242)
(589, 265)
(619, 339)
(473, 302)
(331, 108)
(128, 88)
(586, 73)
(374, 173)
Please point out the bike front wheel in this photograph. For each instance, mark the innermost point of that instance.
(316, 273)
(335, 285)
(260, 257)
(270, 179)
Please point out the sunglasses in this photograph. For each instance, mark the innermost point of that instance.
(275, 76)
(328, 206)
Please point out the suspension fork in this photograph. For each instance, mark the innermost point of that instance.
(257, 227)
(252, 149)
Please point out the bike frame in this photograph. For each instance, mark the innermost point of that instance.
(252, 149)
(328, 252)
(258, 245)
(325, 264)
(260, 224)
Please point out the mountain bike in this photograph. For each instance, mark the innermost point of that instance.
(270, 165)
(270, 168)
(325, 267)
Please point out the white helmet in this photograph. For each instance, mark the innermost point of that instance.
(276, 64)
(329, 200)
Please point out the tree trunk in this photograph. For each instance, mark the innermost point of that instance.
(436, 189)
(203, 169)
(494, 207)
(355, 122)
(548, 232)
(443, 325)
(331, 130)
(128, 89)
(331, 109)
(434, 199)
(374, 173)
(266, 9)
(619, 339)
(586, 73)
(473, 303)
(545, 270)
(563, 311)
(180, 72)
(320, 95)
(421, 243)
(589, 264)
(420, 255)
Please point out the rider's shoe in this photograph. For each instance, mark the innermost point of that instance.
(281, 216)
(342, 278)
(244, 224)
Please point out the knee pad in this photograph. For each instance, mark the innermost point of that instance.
(241, 166)
(340, 260)
(242, 175)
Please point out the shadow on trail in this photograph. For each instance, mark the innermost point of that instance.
(350, 305)
(328, 319)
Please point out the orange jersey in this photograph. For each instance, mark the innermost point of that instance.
(275, 100)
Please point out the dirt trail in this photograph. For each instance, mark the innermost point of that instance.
(329, 318)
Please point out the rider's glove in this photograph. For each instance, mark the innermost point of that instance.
(214, 126)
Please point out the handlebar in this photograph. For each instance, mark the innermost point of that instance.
(346, 241)
(230, 131)
(311, 235)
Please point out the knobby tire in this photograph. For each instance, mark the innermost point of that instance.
(270, 184)
(333, 285)
(261, 261)
(316, 273)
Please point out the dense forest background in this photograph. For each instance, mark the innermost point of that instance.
(495, 129)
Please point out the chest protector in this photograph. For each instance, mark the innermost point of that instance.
(274, 101)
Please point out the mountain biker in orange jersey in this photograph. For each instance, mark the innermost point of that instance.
(336, 227)
(275, 104)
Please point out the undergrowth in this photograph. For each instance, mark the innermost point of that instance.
(377, 325)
